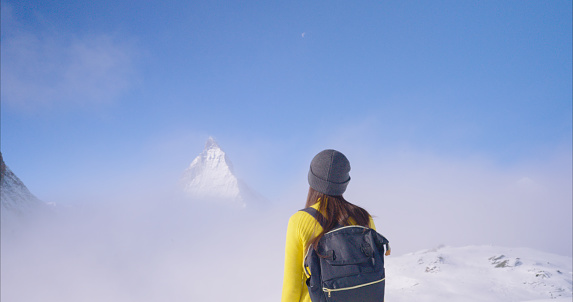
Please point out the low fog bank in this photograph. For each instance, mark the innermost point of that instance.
(161, 247)
(423, 201)
(145, 251)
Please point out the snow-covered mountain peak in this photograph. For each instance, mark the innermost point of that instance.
(210, 177)
(212, 159)
(211, 143)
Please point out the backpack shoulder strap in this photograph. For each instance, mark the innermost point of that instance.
(317, 215)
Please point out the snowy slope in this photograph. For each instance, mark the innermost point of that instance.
(479, 273)
(15, 197)
(210, 177)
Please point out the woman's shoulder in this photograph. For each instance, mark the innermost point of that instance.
(303, 221)
(304, 215)
(301, 216)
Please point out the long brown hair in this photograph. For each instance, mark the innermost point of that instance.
(336, 211)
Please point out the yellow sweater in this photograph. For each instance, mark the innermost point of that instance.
(302, 227)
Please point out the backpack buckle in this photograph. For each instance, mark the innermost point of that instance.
(366, 248)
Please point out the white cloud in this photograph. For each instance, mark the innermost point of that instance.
(142, 250)
(422, 201)
(423, 198)
(47, 68)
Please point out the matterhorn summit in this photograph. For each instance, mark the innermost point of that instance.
(210, 177)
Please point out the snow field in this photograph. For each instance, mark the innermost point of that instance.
(478, 273)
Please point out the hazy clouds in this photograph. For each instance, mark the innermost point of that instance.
(145, 251)
(153, 246)
(47, 67)
(425, 200)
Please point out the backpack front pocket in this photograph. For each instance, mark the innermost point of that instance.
(372, 291)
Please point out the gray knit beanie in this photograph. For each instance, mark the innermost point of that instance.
(329, 173)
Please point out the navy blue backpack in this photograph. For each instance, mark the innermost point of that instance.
(348, 264)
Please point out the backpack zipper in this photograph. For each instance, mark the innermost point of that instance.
(360, 226)
(345, 227)
(329, 290)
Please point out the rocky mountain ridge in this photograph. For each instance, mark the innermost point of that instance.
(15, 197)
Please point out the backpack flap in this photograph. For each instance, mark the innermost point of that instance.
(357, 268)
(382, 243)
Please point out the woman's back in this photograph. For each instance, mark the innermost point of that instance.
(328, 178)
(302, 229)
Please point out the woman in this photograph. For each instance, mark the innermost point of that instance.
(328, 178)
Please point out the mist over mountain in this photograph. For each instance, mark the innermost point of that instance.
(16, 199)
(210, 178)
(158, 249)
(191, 252)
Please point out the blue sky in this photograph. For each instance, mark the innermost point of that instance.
(106, 96)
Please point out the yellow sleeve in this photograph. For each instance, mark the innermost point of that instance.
(302, 227)
(293, 280)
